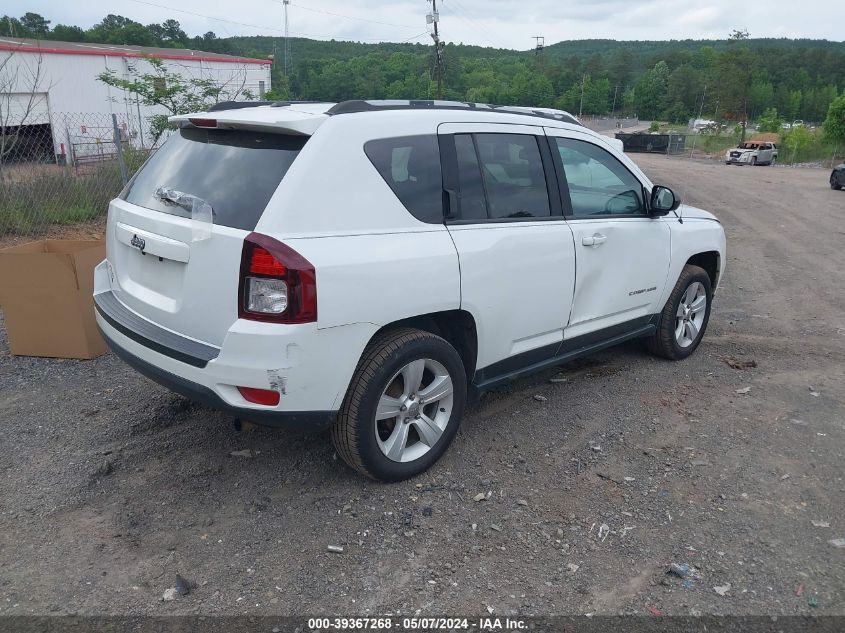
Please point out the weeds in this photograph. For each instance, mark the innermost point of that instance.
(34, 196)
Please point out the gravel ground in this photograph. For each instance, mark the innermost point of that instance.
(112, 485)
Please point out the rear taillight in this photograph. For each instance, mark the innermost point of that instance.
(277, 284)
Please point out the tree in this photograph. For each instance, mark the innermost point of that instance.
(650, 92)
(12, 27)
(770, 121)
(65, 33)
(684, 93)
(797, 139)
(18, 76)
(734, 69)
(834, 124)
(588, 96)
(176, 94)
(35, 25)
(116, 29)
(531, 89)
(620, 67)
(172, 32)
(761, 95)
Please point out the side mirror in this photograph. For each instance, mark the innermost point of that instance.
(663, 201)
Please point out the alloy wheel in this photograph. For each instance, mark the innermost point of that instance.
(690, 314)
(414, 410)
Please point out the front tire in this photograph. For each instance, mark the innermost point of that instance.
(834, 182)
(403, 406)
(685, 316)
(753, 161)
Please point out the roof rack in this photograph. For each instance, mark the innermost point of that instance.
(239, 105)
(356, 106)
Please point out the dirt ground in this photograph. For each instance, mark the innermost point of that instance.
(82, 231)
(111, 485)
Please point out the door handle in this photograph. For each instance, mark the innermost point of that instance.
(596, 240)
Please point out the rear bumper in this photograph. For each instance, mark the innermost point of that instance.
(299, 421)
(309, 367)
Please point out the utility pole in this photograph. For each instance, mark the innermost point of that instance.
(287, 40)
(581, 107)
(700, 114)
(615, 92)
(434, 18)
(541, 44)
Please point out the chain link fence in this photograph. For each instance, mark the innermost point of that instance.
(66, 171)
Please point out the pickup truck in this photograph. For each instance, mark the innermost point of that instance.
(752, 153)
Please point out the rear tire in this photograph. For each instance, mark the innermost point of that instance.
(389, 447)
(682, 323)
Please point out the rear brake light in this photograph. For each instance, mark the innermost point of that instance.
(263, 263)
(277, 284)
(260, 396)
(203, 122)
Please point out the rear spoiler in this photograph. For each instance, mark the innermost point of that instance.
(269, 118)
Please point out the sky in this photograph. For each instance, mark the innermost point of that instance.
(499, 23)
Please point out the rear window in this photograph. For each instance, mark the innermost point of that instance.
(235, 171)
(410, 165)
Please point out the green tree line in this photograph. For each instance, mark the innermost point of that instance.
(732, 79)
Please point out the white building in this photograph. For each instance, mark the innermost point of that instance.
(54, 84)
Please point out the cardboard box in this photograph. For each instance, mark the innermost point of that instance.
(45, 292)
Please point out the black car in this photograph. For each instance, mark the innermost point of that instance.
(837, 177)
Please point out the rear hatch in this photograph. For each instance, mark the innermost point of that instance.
(169, 263)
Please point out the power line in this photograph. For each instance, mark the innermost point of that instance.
(415, 36)
(462, 14)
(348, 17)
(255, 26)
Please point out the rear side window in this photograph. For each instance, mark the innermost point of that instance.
(500, 176)
(235, 171)
(410, 165)
(473, 204)
(513, 176)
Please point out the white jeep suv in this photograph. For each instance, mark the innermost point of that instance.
(364, 266)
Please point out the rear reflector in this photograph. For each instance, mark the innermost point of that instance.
(260, 396)
(203, 122)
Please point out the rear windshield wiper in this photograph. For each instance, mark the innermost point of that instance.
(179, 198)
(201, 213)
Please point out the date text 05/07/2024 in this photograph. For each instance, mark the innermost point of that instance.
(387, 623)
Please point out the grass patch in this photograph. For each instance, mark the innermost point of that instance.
(35, 196)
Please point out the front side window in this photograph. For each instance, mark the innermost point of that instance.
(598, 183)
(410, 165)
